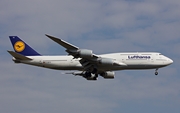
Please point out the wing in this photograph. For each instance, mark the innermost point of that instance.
(89, 60)
(63, 43)
(74, 50)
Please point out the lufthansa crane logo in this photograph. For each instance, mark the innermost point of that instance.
(19, 46)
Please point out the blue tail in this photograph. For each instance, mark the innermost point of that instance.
(21, 47)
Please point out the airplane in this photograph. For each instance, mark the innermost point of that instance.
(87, 64)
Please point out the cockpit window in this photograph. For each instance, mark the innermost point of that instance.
(160, 54)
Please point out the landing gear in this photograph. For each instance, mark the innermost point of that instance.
(91, 73)
(96, 76)
(87, 74)
(94, 71)
(156, 72)
(90, 76)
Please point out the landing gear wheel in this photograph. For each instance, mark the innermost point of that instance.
(88, 74)
(94, 71)
(96, 76)
(156, 73)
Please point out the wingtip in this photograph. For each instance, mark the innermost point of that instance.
(47, 35)
(51, 37)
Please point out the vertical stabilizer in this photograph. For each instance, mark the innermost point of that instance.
(21, 47)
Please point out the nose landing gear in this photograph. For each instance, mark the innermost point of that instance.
(156, 72)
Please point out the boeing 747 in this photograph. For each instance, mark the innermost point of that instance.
(87, 64)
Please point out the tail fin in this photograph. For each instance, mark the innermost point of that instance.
(21, 47)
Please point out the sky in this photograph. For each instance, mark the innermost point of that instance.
(104, 26)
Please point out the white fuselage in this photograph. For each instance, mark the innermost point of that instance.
(138, 60)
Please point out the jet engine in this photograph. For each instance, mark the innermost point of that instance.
(106, 61)
(84, 53)
(108, 75)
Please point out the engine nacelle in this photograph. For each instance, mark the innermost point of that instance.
(108, 75)
(85, 53)
(106, 61)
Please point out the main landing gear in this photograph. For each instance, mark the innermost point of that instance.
(156, 72)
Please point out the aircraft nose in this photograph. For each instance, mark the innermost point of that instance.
(170, 61)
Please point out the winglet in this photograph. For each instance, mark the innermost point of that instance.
(18, 56)
(63, 43)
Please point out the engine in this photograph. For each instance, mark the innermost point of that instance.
(108, 75)
(106, 61)
(85, 53)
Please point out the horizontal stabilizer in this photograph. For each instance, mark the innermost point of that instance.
(18, 56)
